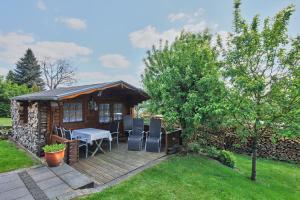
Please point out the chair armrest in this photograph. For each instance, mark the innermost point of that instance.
(147, 133)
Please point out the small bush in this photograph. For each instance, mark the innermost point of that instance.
(212, 152)
(5, 132)
(227, 158)
(193, 147)
(54, 148)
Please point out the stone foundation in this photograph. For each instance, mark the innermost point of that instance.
(26, 132)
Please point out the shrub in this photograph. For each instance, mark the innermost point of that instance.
(227, 158)
(5, 132)
(54, 148)
(193, 147)
(212, 152)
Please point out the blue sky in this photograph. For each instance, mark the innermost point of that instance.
(107, 40)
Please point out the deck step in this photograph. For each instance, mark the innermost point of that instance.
(72, 177)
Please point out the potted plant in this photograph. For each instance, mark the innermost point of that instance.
(54, 154)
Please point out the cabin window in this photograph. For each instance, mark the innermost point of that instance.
(104, 113)
(118, 111)
(72, 112)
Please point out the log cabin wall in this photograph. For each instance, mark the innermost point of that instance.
(91, 117)
(45, 123)
(26, 132)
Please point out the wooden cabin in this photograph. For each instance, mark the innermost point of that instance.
(94, 106)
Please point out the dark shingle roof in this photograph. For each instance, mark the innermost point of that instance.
(59, 93)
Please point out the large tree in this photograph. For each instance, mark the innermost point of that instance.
(57, 72)
(8, 90)
(262, 68)
(184, 84)
(28, 71)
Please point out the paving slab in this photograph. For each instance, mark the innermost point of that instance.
(42, 183)
(43, 176)
(62, 169)
(57, 190)
(48, 183)
(36, 192)
(15, 193)
(72, 177)
(14, 184)
(8, 177)
(27, 197)
(37, 170)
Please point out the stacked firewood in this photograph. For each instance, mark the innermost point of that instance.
(284, 149)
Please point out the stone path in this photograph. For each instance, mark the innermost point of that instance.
(42, 183)
(32, 187)
(12, 187)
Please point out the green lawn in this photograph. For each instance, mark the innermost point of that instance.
(12, 158)
(5, 121)
(194, 177)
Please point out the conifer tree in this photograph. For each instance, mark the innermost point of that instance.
(10, 76)
(28, 71)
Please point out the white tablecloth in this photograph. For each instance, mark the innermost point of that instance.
(91, 134)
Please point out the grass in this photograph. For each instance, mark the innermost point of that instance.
(12, 158)
(195, 177)
(5, 121)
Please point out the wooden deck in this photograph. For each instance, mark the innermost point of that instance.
(104, 168)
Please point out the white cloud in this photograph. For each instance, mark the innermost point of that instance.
(176, 16)
(148, 36)
(116, 61)
(13, 46)
(92, 77)
(41, 5)
(187, 17)
(73, 23)
(198, 27)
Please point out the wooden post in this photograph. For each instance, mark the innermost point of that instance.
(39, 129)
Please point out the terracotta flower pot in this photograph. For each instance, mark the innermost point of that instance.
(54, 159)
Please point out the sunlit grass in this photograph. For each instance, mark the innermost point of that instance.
(195, 177)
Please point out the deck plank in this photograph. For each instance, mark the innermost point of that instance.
(111, 165)
(117, 162)
(104, 168)
(92, 168)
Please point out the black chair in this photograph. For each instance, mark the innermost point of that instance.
(127, 124)
(135, 138)
(82, 142)
(68, 134)
(153, 139)
(114, 131)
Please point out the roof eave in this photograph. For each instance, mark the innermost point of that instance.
(35, 98)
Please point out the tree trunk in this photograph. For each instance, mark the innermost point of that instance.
(254, 154)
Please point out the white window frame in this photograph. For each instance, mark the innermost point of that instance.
(72, 112)
(118, 111)
(104, 115)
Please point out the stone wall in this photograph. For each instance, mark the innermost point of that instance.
(26, 132)
(284, 149)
